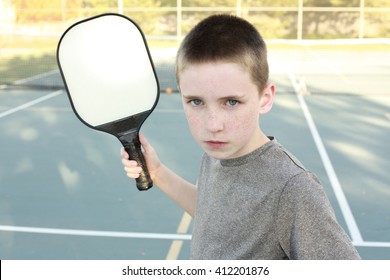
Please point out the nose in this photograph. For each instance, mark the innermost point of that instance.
(214, 121)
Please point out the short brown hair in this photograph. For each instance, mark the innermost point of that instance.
(225, 38)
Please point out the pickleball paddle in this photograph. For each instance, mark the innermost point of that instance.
(110, 79)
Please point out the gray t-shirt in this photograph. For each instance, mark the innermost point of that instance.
(264, 205)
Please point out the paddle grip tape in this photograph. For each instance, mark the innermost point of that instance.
(133, 148)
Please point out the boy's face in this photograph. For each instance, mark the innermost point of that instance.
(222, 106)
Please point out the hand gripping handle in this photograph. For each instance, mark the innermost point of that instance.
(133, 148)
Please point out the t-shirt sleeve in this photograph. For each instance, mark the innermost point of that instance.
(307, 226)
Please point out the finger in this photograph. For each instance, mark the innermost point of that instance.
(133, 172)
(124, 154)
(129, 163)
(133, 175)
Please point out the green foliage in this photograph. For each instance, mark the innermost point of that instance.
(377, 3)
(43, 10)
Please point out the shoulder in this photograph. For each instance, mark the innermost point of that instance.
(304, 193)
(303, 202)
(281, 167)
(307, 225)
(283, 158)
(302, 185)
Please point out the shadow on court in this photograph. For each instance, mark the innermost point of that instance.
(64, 195)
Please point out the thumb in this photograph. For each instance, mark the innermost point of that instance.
(145, 144)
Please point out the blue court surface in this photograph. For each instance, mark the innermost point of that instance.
(64, 194)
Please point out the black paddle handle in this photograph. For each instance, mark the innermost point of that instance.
(133, 148)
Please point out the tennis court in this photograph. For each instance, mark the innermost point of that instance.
(64, 195)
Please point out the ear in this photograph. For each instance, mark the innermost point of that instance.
(267, 99)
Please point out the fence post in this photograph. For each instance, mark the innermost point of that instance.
(361, 20)
(120, 7)
(238, 8)
(178, 18)
(300, 20)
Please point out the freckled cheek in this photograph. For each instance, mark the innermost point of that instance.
(243, 125)
(236, 125)
(195, 124)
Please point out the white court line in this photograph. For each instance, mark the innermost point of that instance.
(94, 233)
(31, 103)
(334, 181)
(137, 235)
(372, 244)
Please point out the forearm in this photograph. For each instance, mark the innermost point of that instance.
(178, 189)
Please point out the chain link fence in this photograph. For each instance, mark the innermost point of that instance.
(288, 19)
(30, 30)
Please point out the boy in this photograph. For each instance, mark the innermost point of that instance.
(253, 199)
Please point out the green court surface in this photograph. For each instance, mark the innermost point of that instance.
(64, 194)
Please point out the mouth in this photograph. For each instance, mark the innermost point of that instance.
(215, 144)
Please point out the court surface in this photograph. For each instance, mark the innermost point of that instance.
(64, 194)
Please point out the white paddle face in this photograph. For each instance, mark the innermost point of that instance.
(107, 68)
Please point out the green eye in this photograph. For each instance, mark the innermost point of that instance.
(232, 102)
(196, 102)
